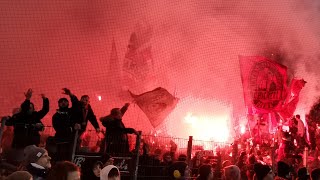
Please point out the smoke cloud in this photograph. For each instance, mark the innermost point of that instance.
(195, 46)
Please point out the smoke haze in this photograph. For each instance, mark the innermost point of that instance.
(48, 45)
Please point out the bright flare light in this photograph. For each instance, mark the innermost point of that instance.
(99, 98)
(208, 128)
(242, 129)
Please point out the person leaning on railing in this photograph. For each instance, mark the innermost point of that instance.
(116, 132)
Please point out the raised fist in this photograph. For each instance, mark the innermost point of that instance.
(66, 91)
(28, 94)
(127, 104)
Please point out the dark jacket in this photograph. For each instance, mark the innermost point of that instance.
(84, 115)
(25, 131)
(63, 122)
(37, 173)
(116, 133)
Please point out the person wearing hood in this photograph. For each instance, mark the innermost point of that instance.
(110, 172)
(27, 123)
(37, 162)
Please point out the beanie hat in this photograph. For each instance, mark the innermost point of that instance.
(261, 170)
(33, 153)
(19, 175)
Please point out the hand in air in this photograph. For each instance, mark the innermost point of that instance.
(66, 91)
(28, 94)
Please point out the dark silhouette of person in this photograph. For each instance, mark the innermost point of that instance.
(116, 132)
(27, 123)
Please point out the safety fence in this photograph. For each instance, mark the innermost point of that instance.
(137, 156)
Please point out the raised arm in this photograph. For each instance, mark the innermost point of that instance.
(124, 108)
(74, 100)
(45, 107)
(26, 104)
(93, 119)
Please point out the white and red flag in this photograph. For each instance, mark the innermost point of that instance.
(156, 104)
(264, 83)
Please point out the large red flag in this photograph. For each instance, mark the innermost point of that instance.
(264, 83)
(156, 104)
(290, 105)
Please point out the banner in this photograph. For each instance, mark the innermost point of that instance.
(291, 102)
(138, 58)
(156, 104)
(264, 83)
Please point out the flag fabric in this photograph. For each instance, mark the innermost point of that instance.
(156, 104)
(138, 59)
(264, 83)
(291, 102)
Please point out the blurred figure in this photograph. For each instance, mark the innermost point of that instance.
(110, 172)
(283, 170)
(262, 172)
(107, 160)
(303, 174)
(91, 170)
(27, 123)
(205, 173)
(231, 173)
(315, 174)
(178, 168)
(37, 162)
(116, 133)
(20, 175)
(64, 170)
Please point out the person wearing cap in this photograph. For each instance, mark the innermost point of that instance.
(63, 122)
(27, 123)
(110, 172)
(37, 162)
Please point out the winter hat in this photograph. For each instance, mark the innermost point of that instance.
(105, 172)
(19, 175)
(33, 153)
(261, 170)
(283, 169)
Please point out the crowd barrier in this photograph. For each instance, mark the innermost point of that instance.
(142, 157)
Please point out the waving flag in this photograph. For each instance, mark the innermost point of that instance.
(138, 60)
(264, 83)
(290, 105)
(156, 104)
